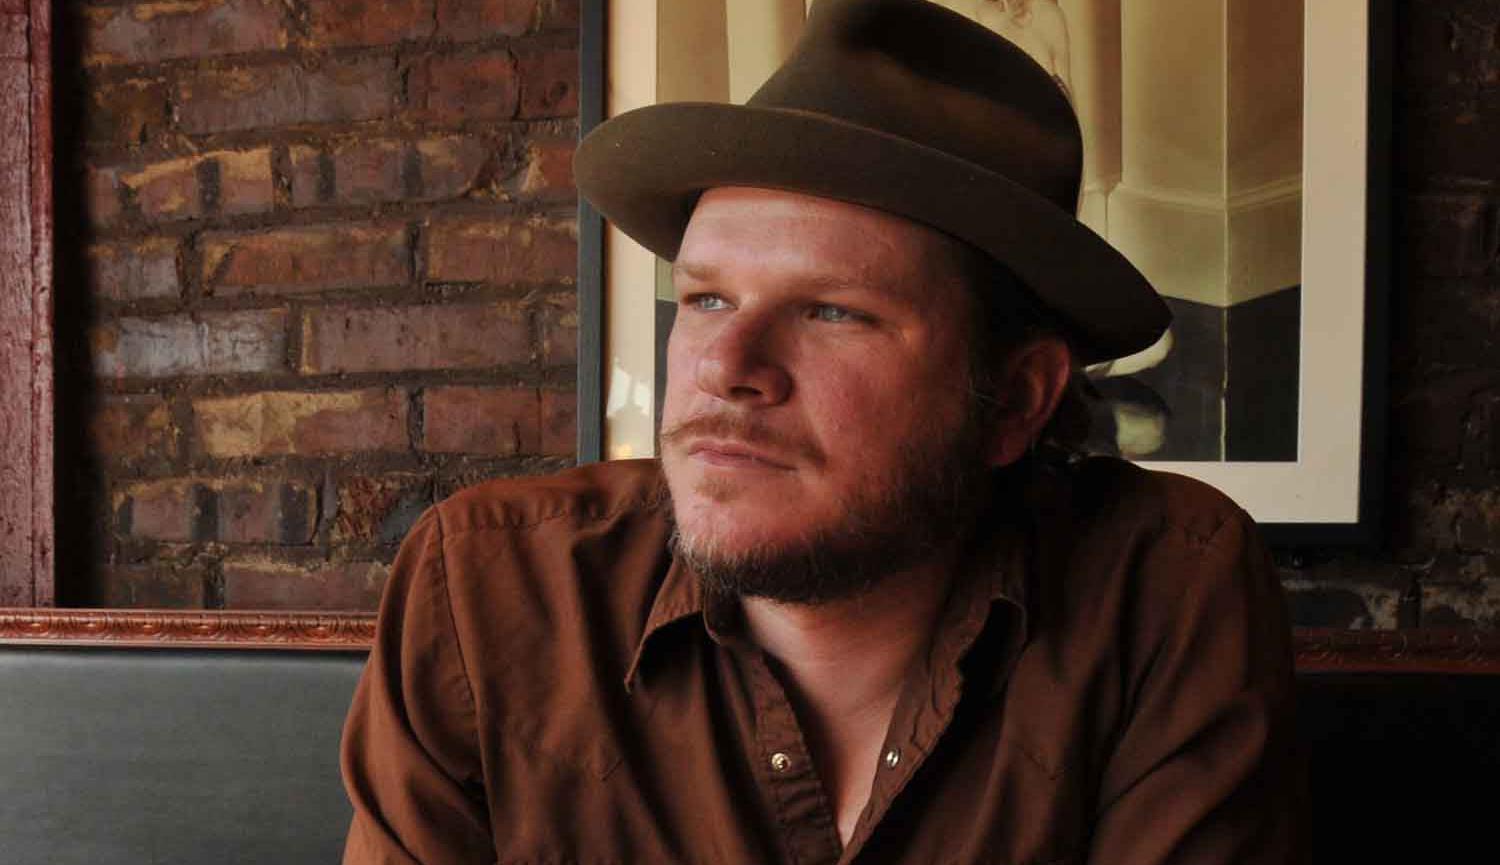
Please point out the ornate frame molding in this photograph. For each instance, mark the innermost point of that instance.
(147, 629)
(1442, 651)
(1318, 650)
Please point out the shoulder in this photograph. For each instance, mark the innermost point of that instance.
(1163, 506)
(575, 497)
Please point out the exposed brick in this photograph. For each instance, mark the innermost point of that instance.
(104, 205)
(502, 251)
(359, 172)
(465, 20)
(466, 87)
(210, 343)
(336, 92)
(369, 22)
(450, 167)
(256, 585)
(170, 510)
(549, 82)
(548, 171)
(135, 271)
(158, 585)
(560, 14)
(293, 260)
(387, 339)
(1454, 235)
(226, 182)
(134, 426)
(266, 512)
(379, 510)
(309, 424)
(169, 29)
(559, 423)
(477, 420)
(127, 112)
(559, 331)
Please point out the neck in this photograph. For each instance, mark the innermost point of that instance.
(848, 658)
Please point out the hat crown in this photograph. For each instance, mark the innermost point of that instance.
(933, 77)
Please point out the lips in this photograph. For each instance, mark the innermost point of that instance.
(727, 453)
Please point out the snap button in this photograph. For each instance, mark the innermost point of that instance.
(892, 758)
(780, 762)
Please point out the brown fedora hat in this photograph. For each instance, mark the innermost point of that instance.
(906, 107)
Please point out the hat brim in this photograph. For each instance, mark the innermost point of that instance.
(645, 169)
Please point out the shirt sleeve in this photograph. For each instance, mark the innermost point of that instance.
(1207, 768)
(410, 752)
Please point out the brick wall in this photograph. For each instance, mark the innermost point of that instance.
(317, 271)
(1444, 467)
(249, 420)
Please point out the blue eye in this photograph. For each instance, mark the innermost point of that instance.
(707, 302)
(832, 314)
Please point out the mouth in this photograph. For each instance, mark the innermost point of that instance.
(726, 453)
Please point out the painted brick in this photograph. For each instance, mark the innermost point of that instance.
(266, 512)
(226, 182)
(134, 426)
(450, 167)
(336, 92)
(466, 87)
(478, 420)
(158, 585)
(210, 343)
(548, 170)
(257, 585)
(309, 424)
(135, 271)
(549, 82)
(501, 251)
(559, 423)
(170, 510)
(170, 29)
(369, 22)
(295, 260)
(381, 509)
(127, 112)
(466, 20)
(388, 339)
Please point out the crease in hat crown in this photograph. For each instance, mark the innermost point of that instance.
(907, 107)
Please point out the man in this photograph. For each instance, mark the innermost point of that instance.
(861, 610)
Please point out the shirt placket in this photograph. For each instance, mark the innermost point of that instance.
(786, 771)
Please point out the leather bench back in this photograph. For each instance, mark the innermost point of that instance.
(172, 757)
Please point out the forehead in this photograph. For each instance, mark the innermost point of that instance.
(740, 227)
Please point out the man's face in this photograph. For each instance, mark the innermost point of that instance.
(818, 430)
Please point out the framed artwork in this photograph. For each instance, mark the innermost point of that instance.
(1235, 152)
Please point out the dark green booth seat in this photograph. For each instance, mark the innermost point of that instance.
(172, 756)
(211, 757)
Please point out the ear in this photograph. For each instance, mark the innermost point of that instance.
(1029, 387)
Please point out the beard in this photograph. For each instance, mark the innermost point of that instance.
(926, 502)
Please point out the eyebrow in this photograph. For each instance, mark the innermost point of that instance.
(708, 272)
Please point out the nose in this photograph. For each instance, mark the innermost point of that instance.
(740, 364)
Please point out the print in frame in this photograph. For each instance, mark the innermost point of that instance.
(1224, 156)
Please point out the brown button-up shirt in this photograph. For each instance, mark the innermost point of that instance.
(1110, 682)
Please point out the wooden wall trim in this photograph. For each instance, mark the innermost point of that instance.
(165, 629)
(26, 494)
(1325, 650)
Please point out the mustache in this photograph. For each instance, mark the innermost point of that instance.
(739, 428)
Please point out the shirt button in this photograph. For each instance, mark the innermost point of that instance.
(892, 758)
(780, 762)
